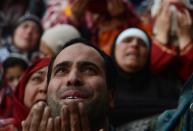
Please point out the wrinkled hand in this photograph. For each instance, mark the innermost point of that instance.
(163, 23)
(38, 119)
(116, 7)
(184, 28)
(72, 118)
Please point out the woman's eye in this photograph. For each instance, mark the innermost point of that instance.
(36, 79)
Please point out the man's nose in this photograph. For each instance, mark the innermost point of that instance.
(74, 78)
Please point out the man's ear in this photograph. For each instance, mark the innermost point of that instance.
(111, 93)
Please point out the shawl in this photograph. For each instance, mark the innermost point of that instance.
(20, 111)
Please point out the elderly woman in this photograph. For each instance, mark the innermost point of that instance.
(140, 94)
(30, 89)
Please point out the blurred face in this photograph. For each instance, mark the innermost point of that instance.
(26, 36)
(131, 54)
(13, 75)
(45, 50)
(35, 89)
(79, 77)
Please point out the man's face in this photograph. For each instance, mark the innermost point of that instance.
(78, 75)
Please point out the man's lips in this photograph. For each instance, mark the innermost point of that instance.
(74, 94)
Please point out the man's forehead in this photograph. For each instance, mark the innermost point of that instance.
(79, 51)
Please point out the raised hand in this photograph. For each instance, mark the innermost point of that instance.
(163, 23)
(38, 118)
(74, 118)
(184, 28)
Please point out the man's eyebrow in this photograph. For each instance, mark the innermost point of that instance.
(88, 63)
(64, 63)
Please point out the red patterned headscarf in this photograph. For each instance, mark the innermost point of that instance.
(20, 111)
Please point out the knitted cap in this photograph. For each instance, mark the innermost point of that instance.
(56, 36)
(30, 17)
(133, 32)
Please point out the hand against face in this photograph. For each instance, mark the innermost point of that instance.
(116, 7)
(73, 118)
(162, 23)
(184, 28)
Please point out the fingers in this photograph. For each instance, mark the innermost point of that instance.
(45, 117)
(74, 117)
(50, 125)
(164, 7)
(65, 125)
(34, 118)
(188, 17)
(84, 118)
(38, 111)
(57, 124)
(26, 124)
(184, 19)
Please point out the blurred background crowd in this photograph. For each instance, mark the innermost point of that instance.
(150, 41)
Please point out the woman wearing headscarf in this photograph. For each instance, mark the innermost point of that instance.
(30, 89)
(140, 94)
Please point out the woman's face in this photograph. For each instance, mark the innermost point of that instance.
(131, 54)
(35, 89)
(26, 36)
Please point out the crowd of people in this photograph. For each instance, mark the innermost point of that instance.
(96, 65)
